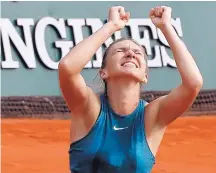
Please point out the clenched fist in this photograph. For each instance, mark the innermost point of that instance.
(161, 16)
(118, 17)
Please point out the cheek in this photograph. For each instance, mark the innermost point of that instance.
(143, 67)
(112, 63)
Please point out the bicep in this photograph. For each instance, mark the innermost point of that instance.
(74, 90)
(174, 104)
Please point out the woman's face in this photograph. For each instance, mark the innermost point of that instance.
(125, 59)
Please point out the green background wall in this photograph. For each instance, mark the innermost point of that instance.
(199, 33)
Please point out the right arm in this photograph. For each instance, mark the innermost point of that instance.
(74, 89)
(81, 54)
(72, 84)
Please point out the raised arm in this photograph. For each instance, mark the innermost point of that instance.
(171, 106)
(72, 84)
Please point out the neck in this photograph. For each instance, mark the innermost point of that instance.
(123, 95)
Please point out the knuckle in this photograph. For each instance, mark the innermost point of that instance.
(112, 8)
(121, 8)
(117, 7)
(169, 8)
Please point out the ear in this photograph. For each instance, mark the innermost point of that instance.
(145, 79)
(103, 73)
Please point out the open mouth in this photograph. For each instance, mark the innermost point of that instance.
(129, 64)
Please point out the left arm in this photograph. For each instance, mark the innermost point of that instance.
(180, 99)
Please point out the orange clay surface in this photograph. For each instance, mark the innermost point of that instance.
(41, 146)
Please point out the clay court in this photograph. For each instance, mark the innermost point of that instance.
(40, 146)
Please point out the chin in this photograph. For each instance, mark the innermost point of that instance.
(130, 74)
(130, 71)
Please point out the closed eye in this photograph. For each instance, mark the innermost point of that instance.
(138, 53)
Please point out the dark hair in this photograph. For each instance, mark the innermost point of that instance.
(107, 50)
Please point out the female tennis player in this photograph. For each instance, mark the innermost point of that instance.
(117, 132)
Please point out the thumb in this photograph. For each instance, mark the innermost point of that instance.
(122, 12)
(167, 11)
(152, 13)
(127, 17)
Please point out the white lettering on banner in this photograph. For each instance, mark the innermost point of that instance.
(145, 41)
(76, 26)
(156, 61)
(142, 30)
(65, 46)
(166, 60)
(40, 38)
(134, 25)
(26, 51)
(96, 24)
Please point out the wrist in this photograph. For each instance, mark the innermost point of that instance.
(110, 28)
(166, 27)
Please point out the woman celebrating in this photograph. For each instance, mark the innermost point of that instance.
(117, 132)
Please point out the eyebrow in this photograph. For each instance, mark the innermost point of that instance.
(125, 48)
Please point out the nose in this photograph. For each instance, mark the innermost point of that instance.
(130, 54)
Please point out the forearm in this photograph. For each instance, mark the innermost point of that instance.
(82, 53)
(186, 65)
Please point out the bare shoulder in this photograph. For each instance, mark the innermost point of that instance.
(92, 107)
(151, 114)
(94, 102)
(154, 133)
(151, 110)
(82, 120)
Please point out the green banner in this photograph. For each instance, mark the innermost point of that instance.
(36, 35)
